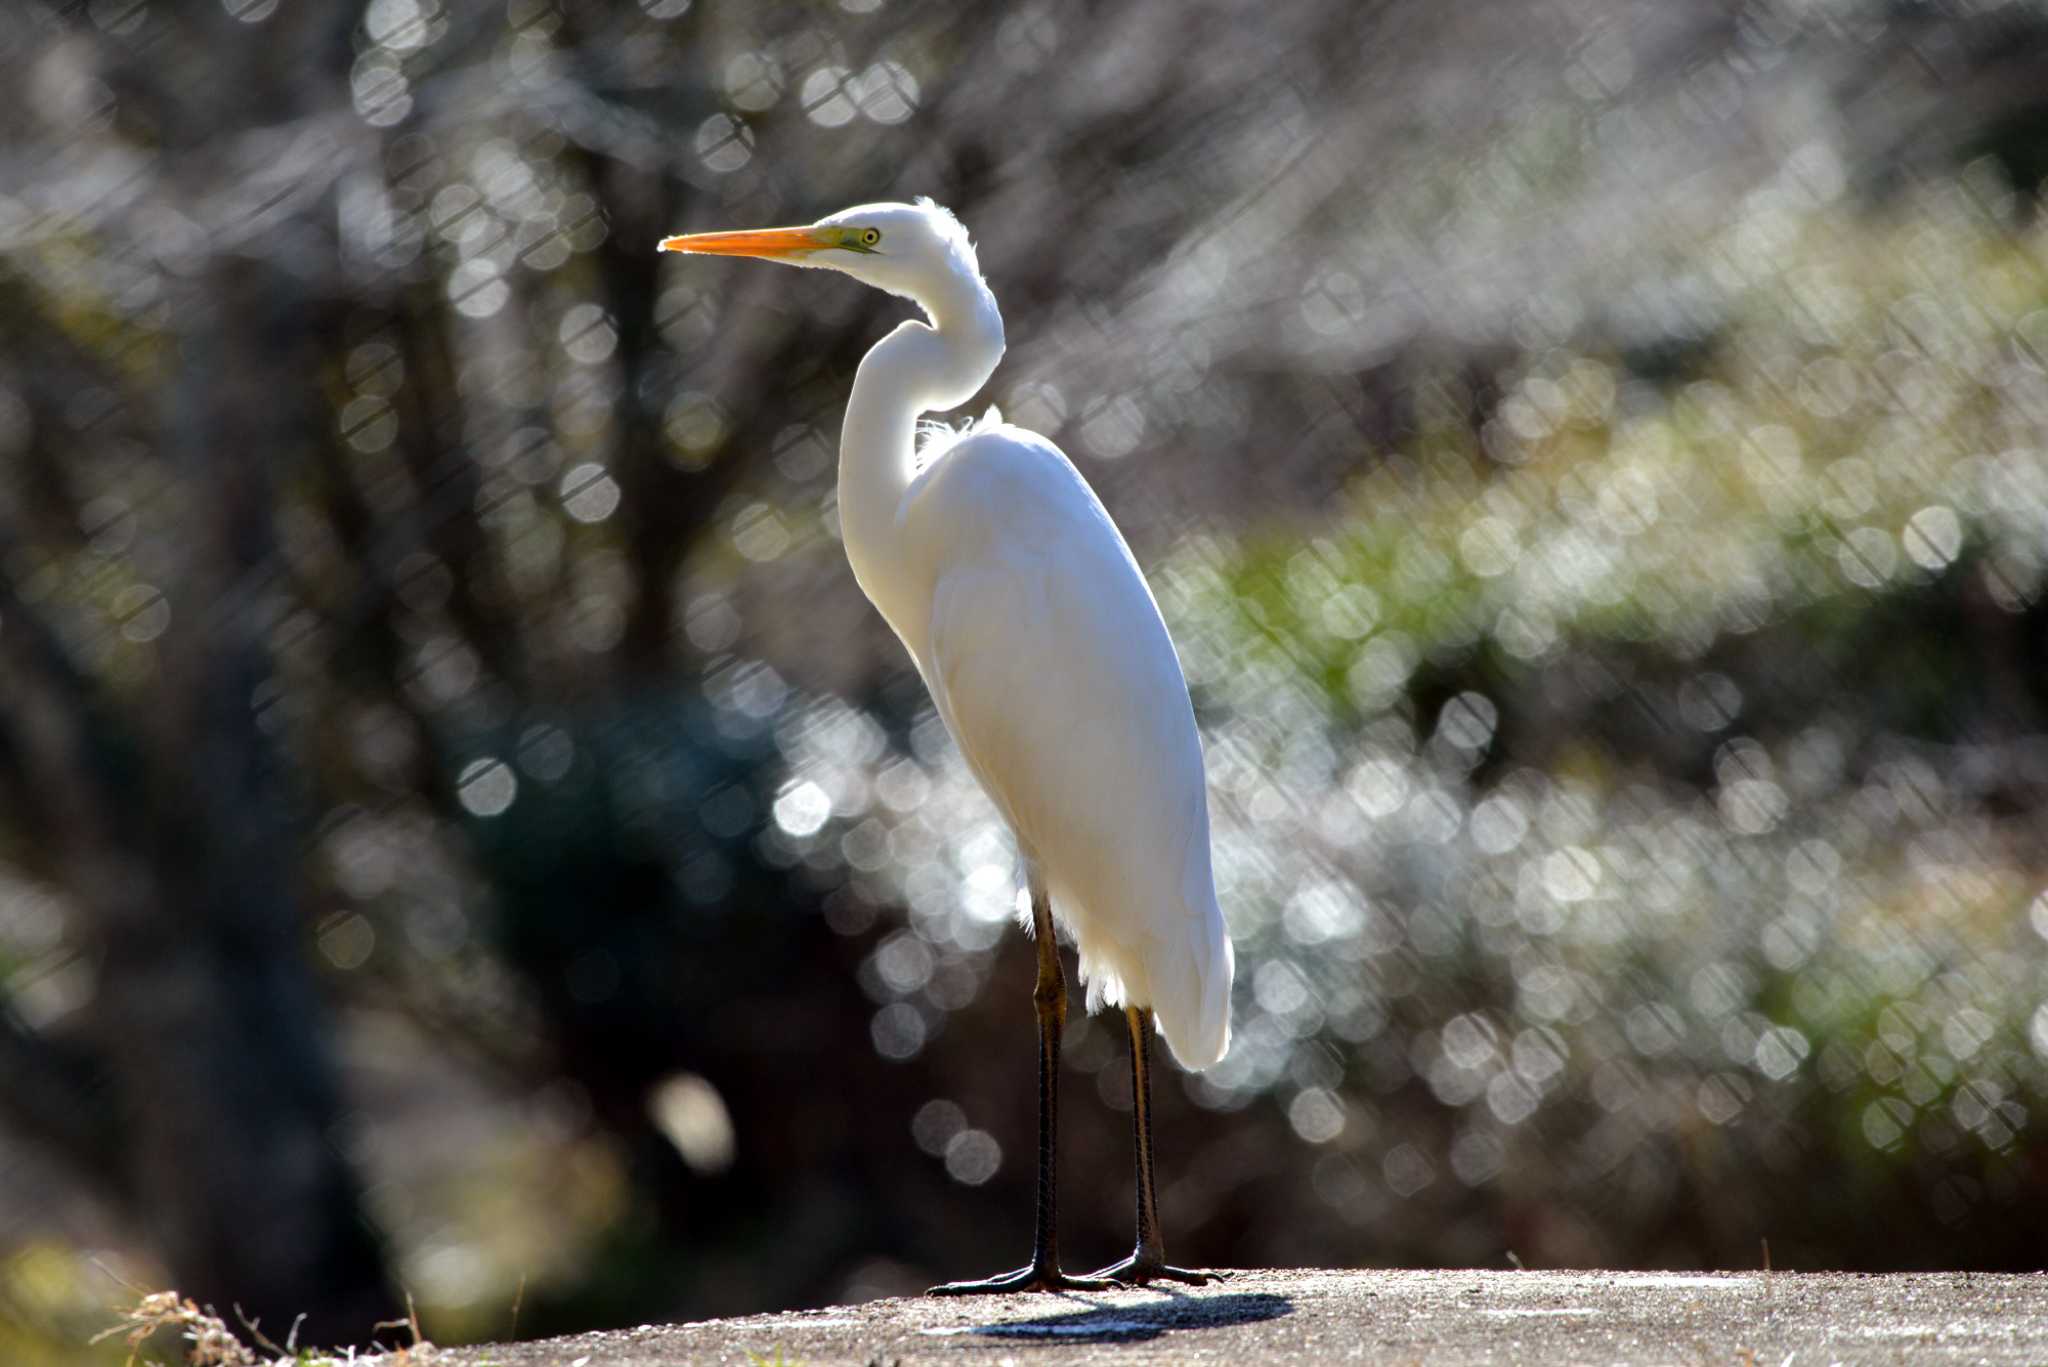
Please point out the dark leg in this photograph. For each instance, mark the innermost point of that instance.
(1148, 1261)
(1050, 999)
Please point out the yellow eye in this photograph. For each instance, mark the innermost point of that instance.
(870, 237)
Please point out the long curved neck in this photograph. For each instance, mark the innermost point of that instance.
(916, 369)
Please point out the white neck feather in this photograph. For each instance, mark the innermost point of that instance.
(918, 368)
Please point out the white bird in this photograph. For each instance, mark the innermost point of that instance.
(1031, 624)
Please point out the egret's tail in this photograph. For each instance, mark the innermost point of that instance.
(1191, 1000)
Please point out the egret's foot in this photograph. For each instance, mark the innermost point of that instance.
(1137, 1271)
(1026, 1279)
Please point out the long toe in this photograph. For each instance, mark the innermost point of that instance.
(1025, 1279)
(1137, 1271)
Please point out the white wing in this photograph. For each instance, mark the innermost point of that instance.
(1048, 659)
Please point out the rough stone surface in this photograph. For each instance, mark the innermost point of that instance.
(1782, 1319)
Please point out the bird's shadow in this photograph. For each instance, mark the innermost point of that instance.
(1138, 1323)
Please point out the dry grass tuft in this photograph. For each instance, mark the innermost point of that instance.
(210, 1343)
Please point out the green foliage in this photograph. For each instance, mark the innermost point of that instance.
(1695, 674)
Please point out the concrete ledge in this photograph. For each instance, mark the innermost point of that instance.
(1772, 1319)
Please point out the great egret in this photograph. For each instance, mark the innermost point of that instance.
(1032, 626)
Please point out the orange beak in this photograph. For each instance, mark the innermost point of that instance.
(775, 244)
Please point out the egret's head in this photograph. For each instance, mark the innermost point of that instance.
(916, 250)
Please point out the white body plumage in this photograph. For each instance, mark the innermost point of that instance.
(1033, 628)
(1047, 657)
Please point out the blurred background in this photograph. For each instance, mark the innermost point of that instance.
(462, 832)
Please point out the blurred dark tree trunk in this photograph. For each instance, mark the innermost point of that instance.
(238, 1165)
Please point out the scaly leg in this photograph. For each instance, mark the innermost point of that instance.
(1147, 1262)
(1050, 999)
